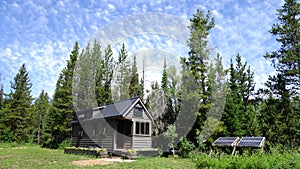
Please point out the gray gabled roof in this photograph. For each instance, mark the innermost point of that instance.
(115, 109)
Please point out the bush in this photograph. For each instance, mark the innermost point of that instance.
(257, 160)
(64, 144)
(185, 147)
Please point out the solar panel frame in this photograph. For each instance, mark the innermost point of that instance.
(251, 142)
(226, 141)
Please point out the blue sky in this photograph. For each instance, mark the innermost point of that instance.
(42, 33)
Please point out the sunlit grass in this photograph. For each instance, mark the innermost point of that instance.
(35, 157)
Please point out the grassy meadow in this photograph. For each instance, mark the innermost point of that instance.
(25, 157)
(32, 156)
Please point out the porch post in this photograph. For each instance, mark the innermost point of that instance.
(133, 132)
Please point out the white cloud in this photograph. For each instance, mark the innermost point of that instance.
(168, 7)
(41, 33)
(111, 6)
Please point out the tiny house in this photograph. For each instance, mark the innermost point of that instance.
(122, 125)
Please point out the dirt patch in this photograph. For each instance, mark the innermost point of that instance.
(102, 161)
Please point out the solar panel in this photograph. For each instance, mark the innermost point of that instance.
(251, 142)
(226, 141)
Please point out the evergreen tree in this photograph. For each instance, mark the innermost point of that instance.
(104, 78)
(109, 66)
(239, 113)
(85, 78)
(93, 76)
(286, 59)
(164, 79)
(135, 88)
(164, 99)
(216, 89)
(279, 118)
(143, 80)
(123, 75)
(41, 108)
(200, 25)
(59, 117)
(17, 111)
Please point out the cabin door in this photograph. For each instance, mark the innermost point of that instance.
(124, 134)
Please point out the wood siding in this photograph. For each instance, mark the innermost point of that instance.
(130, 115)
(142, 142)
(84, 141)
(107, 142)
(93, 139)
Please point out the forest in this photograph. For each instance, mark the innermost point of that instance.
(272, 112)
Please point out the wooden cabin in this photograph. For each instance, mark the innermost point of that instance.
(123, 125)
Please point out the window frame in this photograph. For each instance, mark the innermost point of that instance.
(142, 128)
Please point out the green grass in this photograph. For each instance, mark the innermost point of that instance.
(35, 157)
(32, 156)
(278, 160)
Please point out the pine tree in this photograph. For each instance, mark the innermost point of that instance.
(135, 88)
(41, 108)
(93, 77)
(143, 80)
(279, 119)
(86, 75)
(286, 60)
(59, 117)
(200, 25)
(109, 66)
(123, 75)
(216, 89)
(239, 114)
(164, 79)
(164, 99)
(105, 74)
(17, 111)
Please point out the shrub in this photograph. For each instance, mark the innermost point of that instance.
(64, 144)
(185, 148)
(256, 160)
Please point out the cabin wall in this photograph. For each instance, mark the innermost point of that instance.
(79, 138)
(128, 143)
(97, 136)
(108, 138)
(142, 142)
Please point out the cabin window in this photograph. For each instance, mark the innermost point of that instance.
(138, 112)
(147, 129)
(137, 128)
(142, 128)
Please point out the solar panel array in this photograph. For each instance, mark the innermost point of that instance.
(251, 142)
(226, 141)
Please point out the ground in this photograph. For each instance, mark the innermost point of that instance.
(33, 156)
(102, 161)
